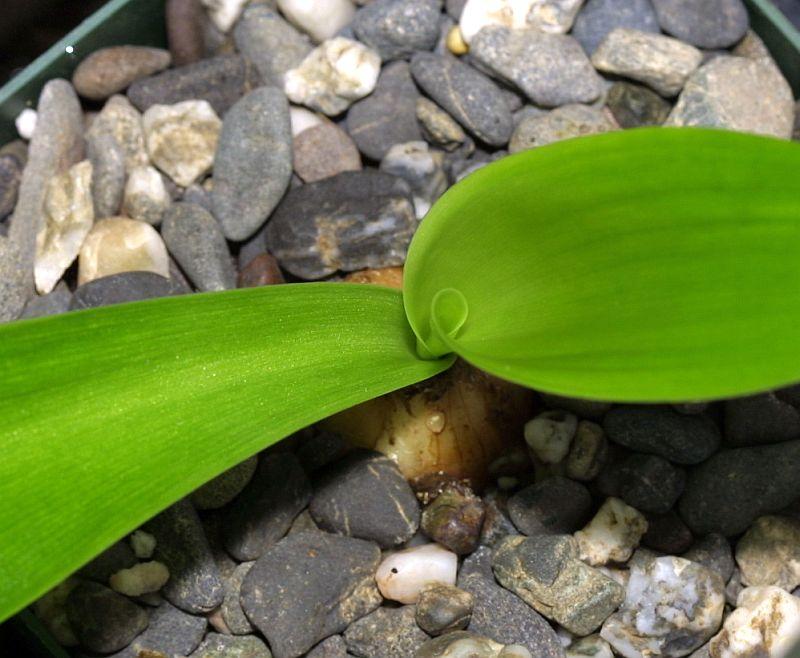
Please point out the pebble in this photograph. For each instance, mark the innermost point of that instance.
(350, 221)
(671, 608)
(443, 608)
(422, 168)
(103, 621)
(10, 176)
(145, 197)
(469, 97)
(591, 646)
(454, 519)
(550, 69)
(121, 122)
(769, 553)
(550, 435)
(365, 495)
(217, 645)
(25, 123)
(53, 303)
(51, 611)
(386, 633)
(599, 17)
(108, 71)
(734, 487)
(225, 487)
(264, 511)
(182, 138)
(333, 75)
(272, 44)
(224, 13)
(588, 452)
(124, 287)
(403, 575)
(713, 552)
(760, 419)
(141, 578)
(660, 62)
(117, 556)
(184, 20)
(565, 122)
(635, 106)
(703, 23)
(651, 483)
(263, 270)
(221, 81)
(333, 647)
(662, 431)
(142, 543)
(667, 533)
(546, 16)
(195, 583)
(319, 21)
(388, 115)
(68, 217)
(463, 643)
(396, 29)
(108, 173)
(438, 127)
(546, 573)
(323, 151)
(612, 534)
(232, 612)
(555, 505)
(766, 622)
(309, 586)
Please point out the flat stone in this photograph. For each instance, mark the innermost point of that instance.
(221, 81)
(108, 71)
(703, 23)
(195, 583)
(123, 287)
(598, 17)
(388, 115)
(310, 586)
(662, 63)
(319, 21)
(565, 122)
(253, 162)
(760, 419)
(769, 553)
(122, 122)
(225, 487)
(550, 69)
(264, 511)
(263, 270)
(10, 177)
(730, 490)
(438, 127)
(323, 151)
(554, 506)
(117, 556)
(272, 44)
(184, 19)
(171, 631)
(217, 645)
(350, 221)
(108, 173)
(232, 612)
(635, 106)
(443, 608)
(662, 431)
(146, 198)
(651, 483)
(386, 633)
(398, 29)
(53, 303)
(713, 552)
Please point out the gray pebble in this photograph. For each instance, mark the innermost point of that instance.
(117, 556)
(108, 173)
(598, 17)
(565, 122)
(760, 419)
(217, 645)
(386, 633)
(10, 177)
(232, 612)
(650, 483)
(635, 106)
(554, 506)
(124, 287)
(468, 96)
(253, 163)
(398, 28)
(703, 23)
(310, 586)
(713, 552)
(333, 647)
(225, 487)
(443, 608)
(55, 302)
(171, 631)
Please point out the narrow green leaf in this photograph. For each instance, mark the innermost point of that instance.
(645, 265)
(107, 416)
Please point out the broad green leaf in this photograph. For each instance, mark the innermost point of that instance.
(109, 415)
(645, 265)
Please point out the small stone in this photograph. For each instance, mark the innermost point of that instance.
(555, 505)
(323, 151)
(403, 575)
(438, 127)
(53, 303)
(733, 588)
(346, 222)
(662, 431)
(171, 632)
(195, 584)
(769, 553)
(546, 573)
(671, 608)
(221, 81)
(443, 609)
(184, 19)
(263, 512)
(182, 138)
(651, 483)
(713, 552)
(225, 487)
(760, 419)
(333, 75)
(388, 115)
(224, 13)
(766, 622)
(599, 17)
(110, 70)
(550, 69)
(612, 534)
(69, 213)
(25, 123)
(302, 119)
(123, 287)
(591, 646)
(310, 586)
(470, 97)
(232, 612)
(634, 106)
(103, 621)
(422, 168)
(108, 173)
(662, 63)
(141, 578)
(143, 544)
(10, 177)
(464, 643)
(588, 452)
(386, 633)
(454, 519)
(146, 198)
(396, 29)
(118, 244)
(667, 533)
(566, 122)
(319, 21)
(703, 23)
(550, 435)
(224, 646)
(120, 121)
(730, 490)
(263, 270)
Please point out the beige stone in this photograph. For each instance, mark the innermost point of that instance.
(769, 553)
(613, 533)
(146, 198)
(123, 122)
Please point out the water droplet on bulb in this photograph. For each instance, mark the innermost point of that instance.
(435, 422)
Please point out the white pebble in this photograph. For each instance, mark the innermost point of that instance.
(550, 435)
(612, 534)
(141, 578)
(26, 123)
(143, 544)
(224, 13)
(320, 20)
(146, 197)
(302, 119)
(403, 575)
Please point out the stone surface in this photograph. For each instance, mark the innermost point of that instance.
(769, 553)
(145, 198)
(110, 70)
(253, 162)
(550, 69)
(566, 122)
(386, 633)
(263, 512)
(438, 127)
(141, 578)
(309, 586)
(612, 534)
(703, 23)
(662, 431)
(760, 419)
(232, 612)
(396, 29)
(184, 19)
(365, 495)
(319, 21)
(550, 434)
(224, 13)
(454, 519)
(592, 646)
(51, 611)
(546, 16)
(736, 93)
(555, 505)
(217, 645)
(55, 302)
(443, 608)
(347, 222)
(171, 631)
(108, 173)
(10, 177)
(333, 647)
(588, 452)
(118, 244)
(464, 643)
(599, 17)
(667, 533)
(323, 151)
(123, 287)
(402, 575)
(120, 121)
(225, 487)
(263, 270)
(422, 168)
(635, 106)
(713, 552)
(651, 483)
(117, 556)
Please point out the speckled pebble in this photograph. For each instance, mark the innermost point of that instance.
(386, 633)
(323, 151)
(566, 122)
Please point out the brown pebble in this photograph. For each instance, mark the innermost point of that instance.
(667, 533)
(391, 277)
(323, 151)
(454, 519)
(185, 33)
(110, 70)
(263, 270)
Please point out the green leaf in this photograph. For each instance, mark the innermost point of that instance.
(645, 265)
(109, 415)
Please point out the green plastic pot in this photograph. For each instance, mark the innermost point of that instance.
(141, 22)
